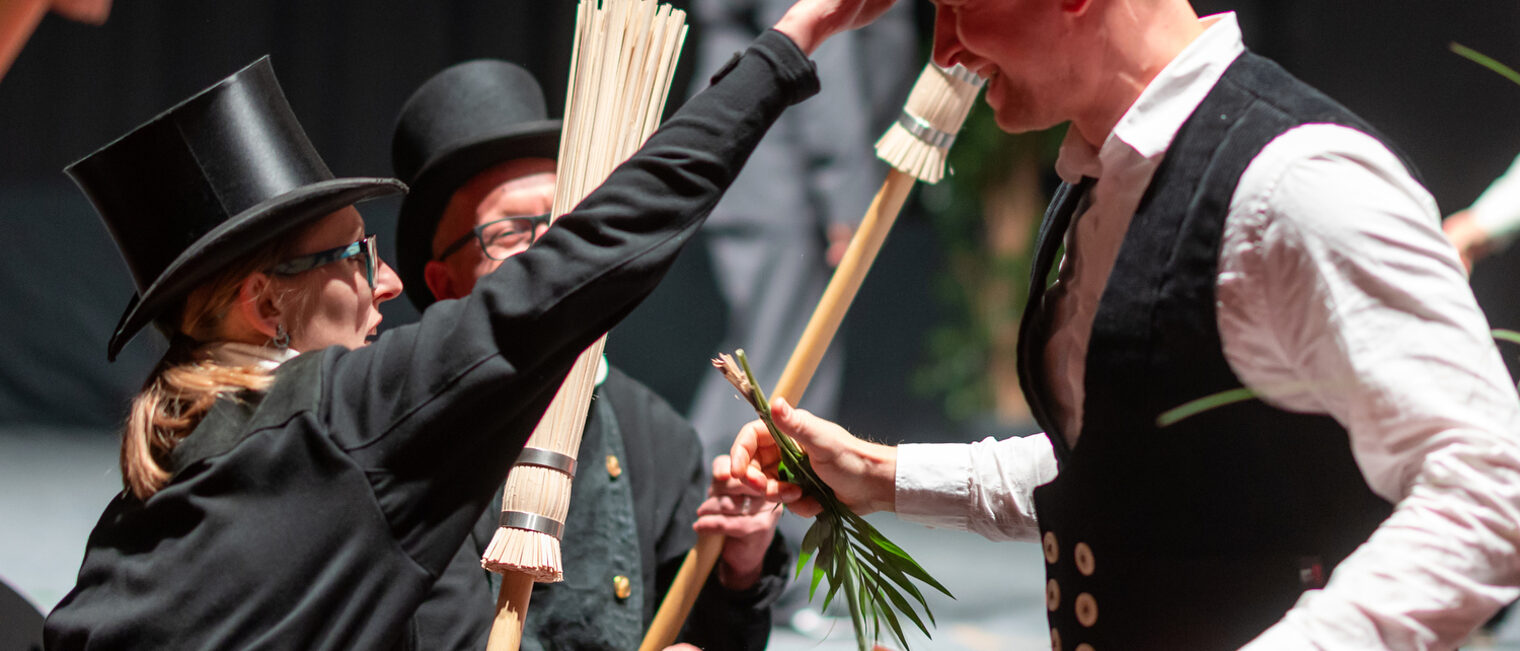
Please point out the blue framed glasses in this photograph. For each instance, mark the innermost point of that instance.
(500, 238)
(364, 248)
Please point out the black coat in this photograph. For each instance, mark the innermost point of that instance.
(318, 514)
(629, 518)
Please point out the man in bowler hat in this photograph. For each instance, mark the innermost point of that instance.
(478, 151)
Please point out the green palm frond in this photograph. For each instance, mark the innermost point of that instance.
(875, 575)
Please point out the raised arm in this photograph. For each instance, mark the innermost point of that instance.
(440, 408)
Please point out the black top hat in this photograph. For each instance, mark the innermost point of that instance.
(213, 178)
(462, 121)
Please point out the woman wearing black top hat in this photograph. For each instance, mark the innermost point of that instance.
(308, 501)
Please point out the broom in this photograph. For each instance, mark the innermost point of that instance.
(623, 60)
(915, 146)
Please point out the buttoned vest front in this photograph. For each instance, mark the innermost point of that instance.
(1200, 534)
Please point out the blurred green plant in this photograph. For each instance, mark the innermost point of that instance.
(982, 288)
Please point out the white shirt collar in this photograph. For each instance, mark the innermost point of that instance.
(233, 353)
(1147, 128)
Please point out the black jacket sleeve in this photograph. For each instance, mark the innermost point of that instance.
(435, 412)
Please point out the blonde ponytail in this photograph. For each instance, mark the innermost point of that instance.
(182, 389)
(187, 381)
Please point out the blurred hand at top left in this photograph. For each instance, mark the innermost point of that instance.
(93, 12)
(19, 17)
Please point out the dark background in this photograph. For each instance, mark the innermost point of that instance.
(347, 65)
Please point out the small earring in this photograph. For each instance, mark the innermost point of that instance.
(281, 337)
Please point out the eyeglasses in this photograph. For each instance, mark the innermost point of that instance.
(501, 238)
(364, 248)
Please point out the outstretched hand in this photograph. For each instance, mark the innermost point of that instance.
(862, 474)
(811, 22)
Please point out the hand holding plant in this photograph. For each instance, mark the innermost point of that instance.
(877, 576)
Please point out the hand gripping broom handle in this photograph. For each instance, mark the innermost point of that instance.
(799, 370)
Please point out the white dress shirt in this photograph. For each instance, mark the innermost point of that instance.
(1337, 295)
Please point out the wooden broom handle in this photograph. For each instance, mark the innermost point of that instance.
(799, 370)
(511, 612)
(843, 286)
(18, 18)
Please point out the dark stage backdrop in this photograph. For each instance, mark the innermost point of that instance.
(348, 64)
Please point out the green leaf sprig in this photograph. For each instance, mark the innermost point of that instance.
(1486, 61)
(1213, 401)
(875, 574)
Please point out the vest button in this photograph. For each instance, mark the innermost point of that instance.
(614, 469)
(1055, 640)
(1084, 559)
(1052, 550)
(621, 587)
(1087, 610)
(1052, 595)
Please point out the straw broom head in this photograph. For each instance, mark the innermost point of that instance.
(623, 60)
(536, 498)
(920, 140)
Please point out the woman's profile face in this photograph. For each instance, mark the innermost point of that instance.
(334, 304)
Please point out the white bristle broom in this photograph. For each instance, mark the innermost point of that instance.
(623, 60)
(916, 147)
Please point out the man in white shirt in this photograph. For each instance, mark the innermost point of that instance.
(1228, 227)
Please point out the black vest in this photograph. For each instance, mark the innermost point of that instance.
(1201, 534)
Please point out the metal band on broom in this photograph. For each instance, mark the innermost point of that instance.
(622, 64)
(915, 147)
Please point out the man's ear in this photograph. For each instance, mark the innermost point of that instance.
(257, 306)
(439, 281)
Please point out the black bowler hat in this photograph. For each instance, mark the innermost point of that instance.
(216, 177)
(462, 121)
